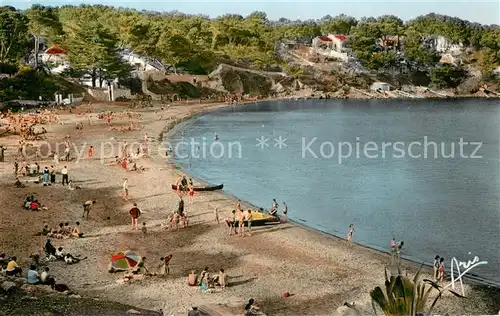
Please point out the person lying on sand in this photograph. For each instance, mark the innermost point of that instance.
(59, 287)
(72, 187)
(116, 161)
(69, 259)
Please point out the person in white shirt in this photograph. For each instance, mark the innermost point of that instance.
(125, 189)
(44, 276)
(64, 173)
(60, 253)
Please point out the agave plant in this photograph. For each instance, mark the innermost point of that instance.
(405, 296)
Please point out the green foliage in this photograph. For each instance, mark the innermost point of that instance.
(448, 76)
(8, 69)
(13, 35)
(402, 295)
(92, 47)
(30, 84)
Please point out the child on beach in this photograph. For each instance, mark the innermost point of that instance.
(144, 228)
(125, 190)
(351, 232)
(191, 193)
(441, 270)
(436, 268)
(216, 213)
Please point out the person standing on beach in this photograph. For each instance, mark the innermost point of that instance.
(46, 176)
(231, 222)
(90, 152)
(125, 190)
(52, 174)
(441, 269)
(2, 153)
(87, 206)
(16, 167)
(180, 208)
(285, 209)
(238, 205)
(248, 218)
(216, 213)
(135, 213)
(435, 266)
(64, 173)
(349, 235)
(394, 245)
(241, 227)
(66, 153)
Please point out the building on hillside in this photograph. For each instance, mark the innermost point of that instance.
(333, 46)
(339, 42)
(443, 45)
(55, 59)
(380, 86)
(141, 62)
(390, 43)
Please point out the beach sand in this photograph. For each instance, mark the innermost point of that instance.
(320, 271)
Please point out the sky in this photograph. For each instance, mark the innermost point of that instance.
(483, 11)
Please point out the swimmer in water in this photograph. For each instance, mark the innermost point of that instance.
(216, 137)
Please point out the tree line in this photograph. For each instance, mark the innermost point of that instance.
(94, 34)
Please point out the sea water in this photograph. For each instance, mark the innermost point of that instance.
(425, 172)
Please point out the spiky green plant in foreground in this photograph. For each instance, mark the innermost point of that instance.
(405, 296)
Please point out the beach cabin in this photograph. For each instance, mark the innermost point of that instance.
(380, 86)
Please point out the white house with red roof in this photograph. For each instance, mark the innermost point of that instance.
(56, 59)
(332, 46)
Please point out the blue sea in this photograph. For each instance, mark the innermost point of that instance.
(424, 172)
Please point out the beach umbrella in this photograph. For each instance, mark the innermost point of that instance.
(125, 260)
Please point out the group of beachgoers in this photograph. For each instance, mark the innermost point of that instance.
(62, 231)
(24, 124)
(10, 268)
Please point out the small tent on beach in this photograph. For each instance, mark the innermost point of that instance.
(123, 261)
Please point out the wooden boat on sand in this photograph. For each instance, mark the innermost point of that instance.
(200, 189)
(261, 219)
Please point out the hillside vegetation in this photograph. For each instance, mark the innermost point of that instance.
(93, 35)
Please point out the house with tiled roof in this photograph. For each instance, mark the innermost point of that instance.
(333, 45)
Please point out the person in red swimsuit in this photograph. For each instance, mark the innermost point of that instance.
(124, 163)
(90, 152)
(135, 213)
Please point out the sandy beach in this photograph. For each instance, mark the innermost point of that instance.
(321, 272)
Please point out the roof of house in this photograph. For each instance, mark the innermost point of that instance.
(341, 37)
(54, 50)
(324, 38)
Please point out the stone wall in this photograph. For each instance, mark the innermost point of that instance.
(99, 94)
(118, 92)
